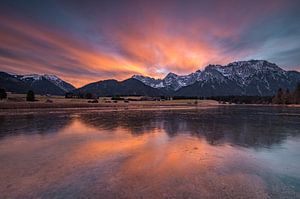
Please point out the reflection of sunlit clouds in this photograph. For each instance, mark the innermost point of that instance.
(151, 154)
(178, 153)
(103, 149)
(77, 127)
(187, 163)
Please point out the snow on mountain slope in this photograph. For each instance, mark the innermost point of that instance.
(254, 77)
(59, 82)
(149, 81)
(172, 81)
(33, 77)
(38, 79)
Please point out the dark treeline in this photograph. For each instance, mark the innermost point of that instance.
(243, 99)
(282, 97)
(185, 97)
(287, 97)
(82, 95)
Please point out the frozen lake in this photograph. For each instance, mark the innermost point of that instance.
(224, 152)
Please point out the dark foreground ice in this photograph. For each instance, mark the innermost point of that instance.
(225, 152)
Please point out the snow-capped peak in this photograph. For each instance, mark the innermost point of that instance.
(52, 77)
(171, 75)
(58, 82)
(259, 65)
(171, 81)
(34, 77)
(155, 83)
(239, 71)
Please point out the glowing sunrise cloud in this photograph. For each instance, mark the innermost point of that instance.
(86, 58)
(82, 43)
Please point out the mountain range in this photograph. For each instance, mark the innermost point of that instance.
(129, 87)
(40, 84)
(252, 78)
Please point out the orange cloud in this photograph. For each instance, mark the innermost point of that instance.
(153, 43)
(21, 39)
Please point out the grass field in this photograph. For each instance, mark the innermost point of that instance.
(18, 101)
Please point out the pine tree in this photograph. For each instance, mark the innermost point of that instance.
(3, 94)
(89, 96)
(278, 99)
(30, 96)
(287, 97)
(297, 94)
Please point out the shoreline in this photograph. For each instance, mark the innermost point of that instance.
(41, 105)
(10, 112)
(11, 108)
(4, 105)
(17, 108)
(21, 108)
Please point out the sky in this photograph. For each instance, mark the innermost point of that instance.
(87, 41)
